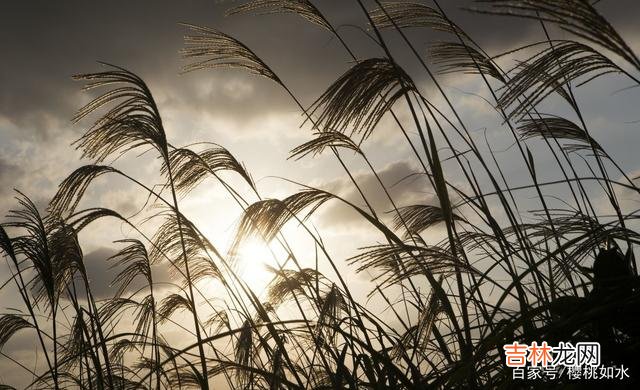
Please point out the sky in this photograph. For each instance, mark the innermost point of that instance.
(44, 43)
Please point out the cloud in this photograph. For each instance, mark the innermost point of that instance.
(101, 273)
(401, 179)
(16, 176)
(10, 174)
(47, 48)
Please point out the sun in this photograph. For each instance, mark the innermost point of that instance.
(253, 256)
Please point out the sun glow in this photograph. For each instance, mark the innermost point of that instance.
(253, 256)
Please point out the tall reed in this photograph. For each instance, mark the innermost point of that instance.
(474, 271)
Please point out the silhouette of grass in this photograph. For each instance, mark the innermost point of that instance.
(570, 275)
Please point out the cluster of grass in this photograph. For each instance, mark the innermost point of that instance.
(569, 275)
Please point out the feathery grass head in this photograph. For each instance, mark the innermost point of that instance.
(289, 283)
(190, 167)
(407, 14)
(214, 49)
(322, 140)
(10, 324)
(397, 263)
(71, 190)
(559, 128)
(452, 57)
(578, 17)
(244, 351)
(131, 119)
(172, 241)
(6, 246)
(172, 303)
(34, 245)
(135, 259)
(304, 8)
(83, 218)
(361, 96)
(420, 217)
(267, 217)
(66, 253)
(545, 73)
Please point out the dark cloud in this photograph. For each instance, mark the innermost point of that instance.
(101, 273)
(44, 43)
(25, 176)
(14, 175)
(402, 180)
(10, 174)
(47, 43)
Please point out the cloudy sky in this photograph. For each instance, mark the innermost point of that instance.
(44, 43)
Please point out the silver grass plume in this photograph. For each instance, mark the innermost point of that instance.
(172, 303)
(452, 57)
(545, 73)
(361, 96)
(407, 14)
(578, 17)
(561, 129)
(168, 246)
(135, 259)
(83, 218)
(73, 187)
(132, 121)
(420, 217)
(288, 283)
(214, 49)
(34, 245)
(267, 217)
(415, 260)
(304, 8)
(323, 140)
(244, 351)
(189, 168)
(10, 324)
(332, 305)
